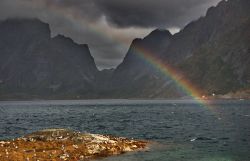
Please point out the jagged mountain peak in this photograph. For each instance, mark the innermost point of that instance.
(136, 40)
(159, 33)
(33, 25)
(204, 33)
(63, 37)
(212, 52)
(33, 63)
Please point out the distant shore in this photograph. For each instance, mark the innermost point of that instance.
(129, 99)
(243, 94)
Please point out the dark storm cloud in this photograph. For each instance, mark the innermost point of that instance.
(153, 13)
(108, 26)
(124, 13)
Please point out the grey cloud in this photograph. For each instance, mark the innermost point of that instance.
(121, 13)
(109, 56)
(153, 13)
(107, 26)
(105, 63)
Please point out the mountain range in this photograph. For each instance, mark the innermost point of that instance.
(213, 53)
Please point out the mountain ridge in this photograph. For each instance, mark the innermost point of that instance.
(36, 64)
(183, 46)
(212, 52)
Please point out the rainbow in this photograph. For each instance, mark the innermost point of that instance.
(145, 55)
(170, 73)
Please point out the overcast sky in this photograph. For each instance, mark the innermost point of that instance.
(107, 26)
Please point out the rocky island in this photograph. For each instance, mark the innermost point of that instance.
(62, 144)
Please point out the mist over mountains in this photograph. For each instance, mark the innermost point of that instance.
(212, 52)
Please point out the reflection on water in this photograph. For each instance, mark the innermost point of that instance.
(180, 130)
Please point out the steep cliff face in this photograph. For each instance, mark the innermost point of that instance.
(213, 52)
(33, 63)
(218, 20)
(222, 65)
(155, 43)
(134, 77)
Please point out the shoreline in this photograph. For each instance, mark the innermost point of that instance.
(238, 95)
(128, 99)
(115, 101)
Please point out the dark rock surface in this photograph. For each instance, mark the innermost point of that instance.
(212, 52)
(34, 64)
(221, 64)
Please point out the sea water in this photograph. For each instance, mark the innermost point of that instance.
(179, 130)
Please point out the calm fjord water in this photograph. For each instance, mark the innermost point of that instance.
(181, 130)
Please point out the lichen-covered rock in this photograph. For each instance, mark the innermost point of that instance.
(62, 144)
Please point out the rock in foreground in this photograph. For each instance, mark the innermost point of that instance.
(61, 144)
